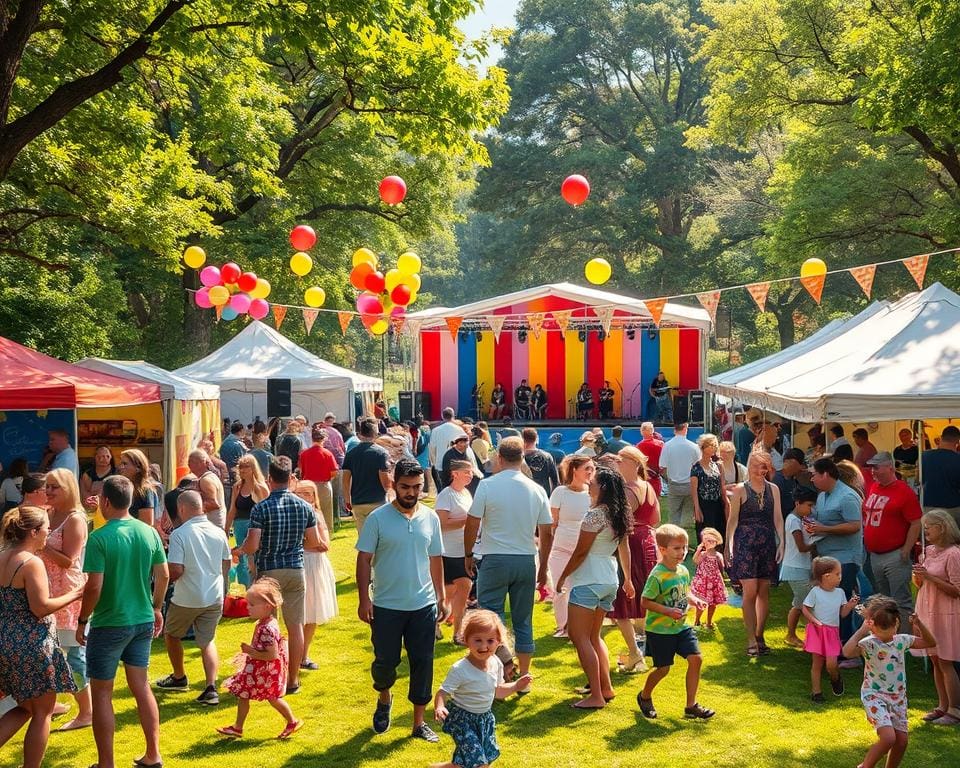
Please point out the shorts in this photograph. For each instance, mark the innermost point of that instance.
(108, 646)
(883, 711)
(593, 596)
(800, 591)
(453, 569)
(663, 648)
(293, 587)
(203, 620)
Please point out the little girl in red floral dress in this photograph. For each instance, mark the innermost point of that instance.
(707, 582)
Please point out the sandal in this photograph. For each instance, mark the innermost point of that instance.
(697, 712)
(231, 731)
(934, 714)
(762, 648)
(946, 719)
(291, 729)
(753, 651)
(646, 707)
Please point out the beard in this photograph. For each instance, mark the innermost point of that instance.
(408, 503)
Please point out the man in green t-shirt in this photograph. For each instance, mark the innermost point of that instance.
(124, 615)
(666, 598)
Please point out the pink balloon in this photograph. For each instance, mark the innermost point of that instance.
(398, 311)
(240, 303)
(210, 276)
(202, 299)
(259, 309)
(368, 304)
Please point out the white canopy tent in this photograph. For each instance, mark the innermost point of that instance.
(242, 366)
(892, 361)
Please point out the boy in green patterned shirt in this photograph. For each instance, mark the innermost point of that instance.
(666, 598)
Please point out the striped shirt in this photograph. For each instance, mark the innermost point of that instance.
(282, 518)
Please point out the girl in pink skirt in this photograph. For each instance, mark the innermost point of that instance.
(708, 583)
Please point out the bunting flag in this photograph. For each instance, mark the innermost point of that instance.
(453, 325)
(562, 317)
(536, 323)
(605, 315)
(496, 325)
(344, 318)
(917, 267)
(814, 285)
(219, 308)
(864, 277)
(397, 321)
(655, 307)
(309, 318)
(279, 313)
(759, 293)
(412, 326)
(710, 301)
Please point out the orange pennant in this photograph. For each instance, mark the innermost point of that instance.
(453, 325)
(917, 267)
(710, 301)
(397, 322)
(309, 318)
(279, 313)
(655, 307)
(536, 323)
(814, 285)
(759, 291)
(864, 277)
(219, 308)
(344, 318)
(562, 318)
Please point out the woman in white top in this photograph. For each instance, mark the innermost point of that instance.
(451, 507)
(10, 493)
(568, 506)
(734, 472)
(593, 580)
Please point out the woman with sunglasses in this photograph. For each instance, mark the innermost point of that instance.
(249, 490)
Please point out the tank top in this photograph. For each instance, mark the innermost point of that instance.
(244, 506)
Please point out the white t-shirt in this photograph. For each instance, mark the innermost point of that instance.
(456, 504)
(510, 507)
(200, 547)
(677, 457)
(600, 564)
(573, 506)
(10, 491)
(826, 606)
(796, 564)
(474, 689)
(440, 440)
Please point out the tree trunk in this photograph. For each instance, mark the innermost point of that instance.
(196, 322)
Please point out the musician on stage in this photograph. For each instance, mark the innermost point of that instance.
(661, 402)
(521, 400)
(584, 402)
(498, 402)
(605, 394)
(538, 402)
(476, 401)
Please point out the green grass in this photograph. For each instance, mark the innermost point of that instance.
(765, 717)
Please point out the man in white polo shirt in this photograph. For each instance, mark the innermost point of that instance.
(199, 561)
(676, 459)
(511, 508)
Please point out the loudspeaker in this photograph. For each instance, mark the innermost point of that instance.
(681, 407)
(414, 404)
(278, 397)
(696, 406)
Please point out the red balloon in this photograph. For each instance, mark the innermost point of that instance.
(358, 275)
(302, 237)
(247, 282)
(374, 282)
(392, 190)
(230, 272)
(401, 295)
(575, 189)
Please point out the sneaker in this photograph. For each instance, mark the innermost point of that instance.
(849, 664)
(171, 683)
(425, 732)
(381, 716)
(210, 697)
(817, 697)
(836, 684)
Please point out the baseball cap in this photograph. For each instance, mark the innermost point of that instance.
(556, 438)
(588, 436)
(881, 457)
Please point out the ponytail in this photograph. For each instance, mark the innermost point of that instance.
(17, 524)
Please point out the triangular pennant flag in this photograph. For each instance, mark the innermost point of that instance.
(605, 316)
(759, 293)
(219, 308)
(453, 325)
(814, 285)
(397, 322)
(917, 267)
(655, 307)
(344, 318)
(496, 325)
(279, 313)
(864, 277)
(710, 301)
(309, 318)
(562, 316)
(413, 326)
(536, 323)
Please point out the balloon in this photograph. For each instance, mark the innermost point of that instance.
(398, 311)
(598, 271)
(575, 189)
(229, 313)
(247, 282)
(392, 190)
(314, 296)
(364, 256)
(210, 276)
(194, 256)
(401, 295)
(258, 309)
(219, 295)
(230, 272)
(374, 282)
(413, 298)
(369, 304)
(240, 303)
(358, 275)
(813, 267)
(300, 263)
(392, 279)
(379, 327)
(302, 237)
(411, 280)
(409, 263)
(202, 298)
(262, 289)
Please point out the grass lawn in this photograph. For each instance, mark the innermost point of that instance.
(765, 716)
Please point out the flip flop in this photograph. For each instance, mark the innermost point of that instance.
(291, 729)
(141, 764)
(575, 705)
(70, 726)
(229, 730)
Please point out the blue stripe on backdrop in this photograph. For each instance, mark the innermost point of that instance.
(649, 365)
(466, 373)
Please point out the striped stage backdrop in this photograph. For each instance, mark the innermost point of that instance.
(449, 369)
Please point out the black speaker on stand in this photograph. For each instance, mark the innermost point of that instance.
(278, 398)
(681, 407)
(696, 409)
(414, 405)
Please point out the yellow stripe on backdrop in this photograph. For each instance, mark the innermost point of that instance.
(670, 355)
(613, 367)
(574, 362)
(537, 371)
(485, 366)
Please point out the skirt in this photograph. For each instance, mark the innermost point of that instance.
(823, 641)
(320, 598)
(474, 737)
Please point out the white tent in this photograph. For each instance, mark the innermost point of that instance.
(172, 385)
(898, 361)
(242, 366)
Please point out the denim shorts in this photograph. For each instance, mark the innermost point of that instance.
(108, 646)
(594, 596)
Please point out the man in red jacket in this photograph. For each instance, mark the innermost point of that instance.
(650, 446)
(319, 465)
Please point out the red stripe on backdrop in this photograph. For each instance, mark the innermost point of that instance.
(595, 351)
(430, 370)
(503, 361)
(690, 359)
(556, 362)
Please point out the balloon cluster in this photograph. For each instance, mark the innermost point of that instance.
(384, 295)
(303, 238)
(229, 287)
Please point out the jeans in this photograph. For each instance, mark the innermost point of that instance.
(108, 646)
(891, 577)
(391, 629)
(514, 575)
(240, 529)
(848, 583)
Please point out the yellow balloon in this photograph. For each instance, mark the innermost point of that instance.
(194, 257)
(813, 267)
(364, 256)
(300, 263)
(219, 295)
(412, 280)
(413, 298)
(392, 279)
(379, 328)
(409, 263)
(262, 289)
(314, 296)
(598, 271)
